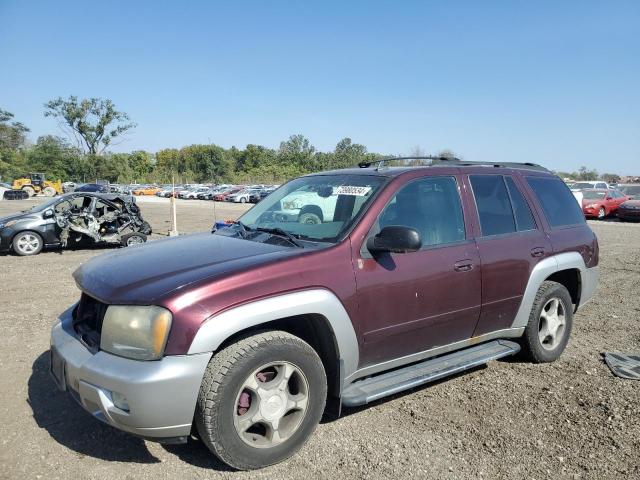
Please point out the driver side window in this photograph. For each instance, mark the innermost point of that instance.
(432, 206)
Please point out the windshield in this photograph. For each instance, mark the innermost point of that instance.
(630, 189)
(317, 208)
(593, 194)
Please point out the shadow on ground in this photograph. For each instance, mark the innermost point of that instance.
(68, 424)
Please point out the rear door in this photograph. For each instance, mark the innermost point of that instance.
(412, 302)
(510, 241)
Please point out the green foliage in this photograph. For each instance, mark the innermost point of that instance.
(93, 122)
(611, 177)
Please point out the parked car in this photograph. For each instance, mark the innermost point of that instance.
(415, 274)
(589, 185)
(193, 193)
(259, 195)
(629, 211)
(73, 219)
(222, 196)
(92, 188)
(630, 190)
(147, 190)
(600, 203)
(243, 196)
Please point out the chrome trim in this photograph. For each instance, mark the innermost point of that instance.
(416, 357)
(218, 328)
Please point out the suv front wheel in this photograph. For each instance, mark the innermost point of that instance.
(547, 333)
(260, 399)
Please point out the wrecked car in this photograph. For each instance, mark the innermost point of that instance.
(74, 220)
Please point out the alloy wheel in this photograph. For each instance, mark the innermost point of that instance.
(552, 324)
(28, 243)
(271, 404)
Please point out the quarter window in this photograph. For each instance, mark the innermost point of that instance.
(521, 210)
(559, 205)
(432, 206)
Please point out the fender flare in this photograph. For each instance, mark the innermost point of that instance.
(543, 270)
(217, 328)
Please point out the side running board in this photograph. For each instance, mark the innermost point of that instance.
(373, 388)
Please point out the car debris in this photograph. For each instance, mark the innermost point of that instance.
(624, 365)
(75, 219)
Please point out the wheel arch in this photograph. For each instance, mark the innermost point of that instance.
(317, 316)
(567, 268)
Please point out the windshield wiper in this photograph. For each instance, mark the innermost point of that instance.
(281, 233)
(243, 228)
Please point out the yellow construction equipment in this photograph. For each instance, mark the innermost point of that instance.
(35, 183)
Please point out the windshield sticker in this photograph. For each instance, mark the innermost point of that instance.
(351, 190)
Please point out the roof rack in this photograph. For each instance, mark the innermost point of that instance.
(453, 162)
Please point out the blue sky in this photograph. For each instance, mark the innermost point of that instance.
(556, 83)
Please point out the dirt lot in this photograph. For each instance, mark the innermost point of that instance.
(570, 419)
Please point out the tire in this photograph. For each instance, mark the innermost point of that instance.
(243, 200)
(27, 243)
(225, 382)
(541, 348)
(131, 239)
(30, 191)
(602, 213)
(49, 192)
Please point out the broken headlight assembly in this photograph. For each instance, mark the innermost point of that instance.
(136, 332)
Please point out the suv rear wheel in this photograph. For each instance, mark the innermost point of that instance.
(260, 399)
(550, 322)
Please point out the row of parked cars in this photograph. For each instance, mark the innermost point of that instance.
(600, 200)
(218, 193)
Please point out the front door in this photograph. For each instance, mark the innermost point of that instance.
(412, 302)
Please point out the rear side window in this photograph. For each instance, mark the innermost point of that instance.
(494, 206)
(521, 210)
(559, 205)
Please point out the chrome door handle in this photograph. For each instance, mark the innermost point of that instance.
(463, 266)
(537, 252)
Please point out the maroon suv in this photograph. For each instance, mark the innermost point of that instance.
(339, 288)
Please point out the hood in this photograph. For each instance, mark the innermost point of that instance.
(590, 201)
(141, 274)
(19, 216)
(631, 204)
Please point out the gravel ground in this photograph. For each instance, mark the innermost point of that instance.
(569, 419)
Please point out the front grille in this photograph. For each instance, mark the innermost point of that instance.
(87, 320)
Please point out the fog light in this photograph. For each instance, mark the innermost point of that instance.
(120, 401)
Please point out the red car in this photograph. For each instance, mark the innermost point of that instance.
(221, 197)
(600, 202)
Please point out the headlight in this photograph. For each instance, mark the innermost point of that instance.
(592, 205)
(8, 224)
(135, 332)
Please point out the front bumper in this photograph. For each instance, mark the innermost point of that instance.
(6, 235)
(628, 214)
(161, 394)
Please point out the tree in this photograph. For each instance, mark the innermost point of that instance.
(585, 174)
(611, 177)
(12, 134)
(94, 123)
(52, 155)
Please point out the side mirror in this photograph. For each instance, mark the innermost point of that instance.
(48, 213)
(395, 239)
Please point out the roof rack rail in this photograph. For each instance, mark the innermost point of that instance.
(453, 162)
